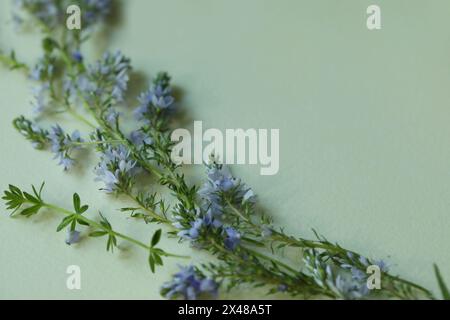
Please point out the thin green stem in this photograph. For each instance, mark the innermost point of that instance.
(97, 225)
(77, 116)
(93, 143)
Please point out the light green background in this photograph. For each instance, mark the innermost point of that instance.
(364, 120)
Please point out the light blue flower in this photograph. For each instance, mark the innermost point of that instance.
(189, 284)
(156, 99)
(45, 11)
(62, 145)
(140, 138)
(77, 56)
(112, 116)
(116, 169)
(73, 237)
(194, 232)
(95, 11)
(282, 288)
(233, 238)
(107, 78)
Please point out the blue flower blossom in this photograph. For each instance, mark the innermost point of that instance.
(189, 284)
(73, 237)
(282, 288)
(157, 98)
(45, 11)
(111, 75)
(116, 169)
(349, 289)
(63, 144)
(77, 56)
(112, 117)
(233, 238)
(95, 11)
(140, 138)
(194, 232)
(220, 182)
(106, 80)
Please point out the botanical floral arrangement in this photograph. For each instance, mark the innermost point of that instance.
(219, 217)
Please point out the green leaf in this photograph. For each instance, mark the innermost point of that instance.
(28, 212)
(104, 222)
(82, 222)
(442, 285)
(31, 198)
(158, 259)
(15, 190)
(151, 263)
(49, 44)
(156, 237)
(83, 209)
(36, 193)
(64, 223)
(76, 202)
(97, 234)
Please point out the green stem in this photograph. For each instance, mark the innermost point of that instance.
(80, 117)
(97, 225)
(93, 143)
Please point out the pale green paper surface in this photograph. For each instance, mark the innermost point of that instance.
(365, 150)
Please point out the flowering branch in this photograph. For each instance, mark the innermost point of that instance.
(29, 204)
(219, 217)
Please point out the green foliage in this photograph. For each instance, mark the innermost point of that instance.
(37, 136)
(24, 203)
(11, 62)
(106, 230)
(75, 218)
(154, 258)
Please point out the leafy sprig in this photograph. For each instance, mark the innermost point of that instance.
(23, 203)
(28, 204)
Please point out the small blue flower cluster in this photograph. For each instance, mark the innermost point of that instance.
(156, 99)
(346, 280)
(140, 138)
(220, 188)
(106, 80)
(359, 262)
(63, 144)
(115, 169)
(189, 284)
(95, 11)
(222, 184)
(45, 11)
